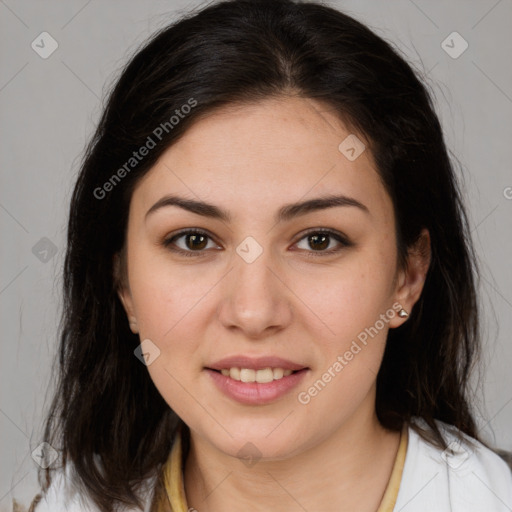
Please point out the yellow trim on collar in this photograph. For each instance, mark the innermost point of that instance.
(390, 495)
(173, 477)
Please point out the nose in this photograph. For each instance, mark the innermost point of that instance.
(256, 299)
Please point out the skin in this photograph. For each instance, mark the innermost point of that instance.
(251, 160)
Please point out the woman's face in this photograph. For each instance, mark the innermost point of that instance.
(256, 287)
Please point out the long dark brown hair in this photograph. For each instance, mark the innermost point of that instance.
(107, 417)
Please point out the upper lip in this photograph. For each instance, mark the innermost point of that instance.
(255, 363)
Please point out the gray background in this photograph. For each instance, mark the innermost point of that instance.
(50, 106)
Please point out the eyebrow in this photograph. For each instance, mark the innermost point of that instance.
(284, 214)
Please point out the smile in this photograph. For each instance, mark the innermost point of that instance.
(249, 391)
(250, 375)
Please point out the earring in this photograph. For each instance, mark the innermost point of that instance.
(403, 314)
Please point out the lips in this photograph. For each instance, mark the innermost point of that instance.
(256, 393)
(256, 380)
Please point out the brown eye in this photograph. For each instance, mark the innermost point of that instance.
(318, 241)
(193, 241)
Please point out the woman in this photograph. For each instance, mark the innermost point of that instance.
(313, 354)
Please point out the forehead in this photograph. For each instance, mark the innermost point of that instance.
(266, 154)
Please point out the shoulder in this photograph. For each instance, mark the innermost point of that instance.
(465, 477)
(64, 496)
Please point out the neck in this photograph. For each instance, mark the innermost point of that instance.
(351, 468)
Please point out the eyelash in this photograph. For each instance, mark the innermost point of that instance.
(313, 254)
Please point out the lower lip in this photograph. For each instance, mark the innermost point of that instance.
(254, 393)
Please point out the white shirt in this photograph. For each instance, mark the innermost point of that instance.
(464, 478)
(470, 479)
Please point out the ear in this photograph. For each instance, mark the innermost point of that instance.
(411, 280)
(123, 291)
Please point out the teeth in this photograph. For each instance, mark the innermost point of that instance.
(247, 375)
(262, 376)
(278, 373)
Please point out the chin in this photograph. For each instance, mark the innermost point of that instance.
(252, 442)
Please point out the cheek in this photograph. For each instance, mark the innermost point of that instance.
(350, 295)
(352, 302)
(169, 310)
(350, 350)
(165, 294)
